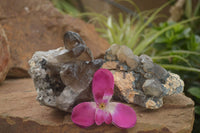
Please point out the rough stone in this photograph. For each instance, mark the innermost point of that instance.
(62, 76)
(132, 61)
(152, 87)
(20, 113)
(4, 55)
(114, 49)
(145, 58)
(112, 52)
(140, 81)
(173, 84)
(38, 26)
(124, 80)
(124, 54)
(150, 68)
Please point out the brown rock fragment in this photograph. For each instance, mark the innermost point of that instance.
(110, 65)
(21, 113)
(4, 55)
(38, 26)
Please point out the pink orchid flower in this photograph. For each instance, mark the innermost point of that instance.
(102, 110)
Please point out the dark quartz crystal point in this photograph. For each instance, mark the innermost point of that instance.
(72, 39)
(79, 74)
(74, 43)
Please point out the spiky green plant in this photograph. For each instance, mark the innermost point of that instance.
(139, 35)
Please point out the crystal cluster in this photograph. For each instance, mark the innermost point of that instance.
(138, 80)
(62, 76)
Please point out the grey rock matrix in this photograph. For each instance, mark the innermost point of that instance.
(138, 80)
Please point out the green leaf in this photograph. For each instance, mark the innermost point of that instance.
(161, 39)
(109, 22)
(197, 39)
(180, 52)
(148, 41)
(144, 25)
(187, 32)
(171, 56)
(69, 8)
(130, 2)
(66, 7)
(179, 28)
(121, 22)
(197, 9)
(195, 91)
(179, 67)
(188, 9)
(197, 110)
(192, 45)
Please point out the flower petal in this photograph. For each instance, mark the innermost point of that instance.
(123, 116)
(102, 85)
(108, 118)
(102, 116)
(99, 116)
(84, 113)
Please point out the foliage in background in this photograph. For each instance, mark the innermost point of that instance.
(139, 34)
(193, 11)
(178, 46)
(65, 7)
(195, 92)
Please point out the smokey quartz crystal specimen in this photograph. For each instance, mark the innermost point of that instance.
(63, 76)
(138, 80)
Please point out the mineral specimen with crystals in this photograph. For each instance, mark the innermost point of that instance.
(138, 80)
(62, 76)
